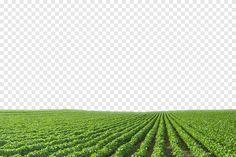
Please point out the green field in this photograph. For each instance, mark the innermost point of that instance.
(84, 133)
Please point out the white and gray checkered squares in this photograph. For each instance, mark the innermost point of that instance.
(122, 55)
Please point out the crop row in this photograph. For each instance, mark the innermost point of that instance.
(103, 134)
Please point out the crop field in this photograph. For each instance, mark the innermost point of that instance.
(86, 133)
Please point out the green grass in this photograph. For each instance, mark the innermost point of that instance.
(89, 133)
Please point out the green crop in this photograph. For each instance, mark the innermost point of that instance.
(75, 133)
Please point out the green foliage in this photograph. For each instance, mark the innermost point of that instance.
(158, 149)
(99, 134)
(146, 144)
(174, 140)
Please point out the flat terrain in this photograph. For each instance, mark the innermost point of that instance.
(84, 133)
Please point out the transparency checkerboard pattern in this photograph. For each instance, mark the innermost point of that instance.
(118, 55)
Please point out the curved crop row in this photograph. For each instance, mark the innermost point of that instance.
(49, 138)
(126, 148)
(174, 141)
(158, 149)
(193, 145)
(214, 147)
(113, 145)
(221, 135)
(77, 140)
(39, 146)
(64, 149)
(145, 145)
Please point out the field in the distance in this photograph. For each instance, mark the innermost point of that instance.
(83, 133)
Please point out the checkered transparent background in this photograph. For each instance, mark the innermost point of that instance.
(129, 55)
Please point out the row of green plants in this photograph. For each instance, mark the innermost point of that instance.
(103, 134)
(125, 149)
(147, 143)
(111, 147)
(174, 139)
(90, 142)
(205, 139)
(60, 134)
(158, 148)
(45, 148)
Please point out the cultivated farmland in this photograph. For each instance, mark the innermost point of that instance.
(102, 134)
